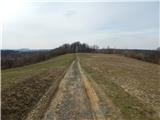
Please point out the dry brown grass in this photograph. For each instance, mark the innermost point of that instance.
(132, 85)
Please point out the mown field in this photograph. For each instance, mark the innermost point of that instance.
(23, 87)
(132, 85)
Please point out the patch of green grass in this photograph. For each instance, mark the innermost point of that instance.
(15, 75)
(23, 87)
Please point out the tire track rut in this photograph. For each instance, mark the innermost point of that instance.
(75, 98)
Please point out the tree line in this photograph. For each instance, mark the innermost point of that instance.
(16, 58)
(152, 56)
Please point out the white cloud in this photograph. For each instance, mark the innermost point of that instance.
(48, 25)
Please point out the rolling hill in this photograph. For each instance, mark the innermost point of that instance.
(82, 86)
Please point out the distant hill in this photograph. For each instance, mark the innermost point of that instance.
(158, 48)
(25, 56)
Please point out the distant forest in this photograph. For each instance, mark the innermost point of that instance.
(17, 58)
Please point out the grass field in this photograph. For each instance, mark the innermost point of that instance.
(132, 85)
(15, 75)
(23, 87)
(129, 88)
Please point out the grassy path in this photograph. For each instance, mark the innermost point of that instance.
(76, 99)
(71, 101)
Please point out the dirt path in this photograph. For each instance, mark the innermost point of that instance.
(71, 101)
(75, 99)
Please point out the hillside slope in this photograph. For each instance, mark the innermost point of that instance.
(94, 87)
(132, 85)
(23, 87)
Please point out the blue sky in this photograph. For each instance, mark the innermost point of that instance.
(39, 25)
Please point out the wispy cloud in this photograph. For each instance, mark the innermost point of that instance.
(70, 13)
